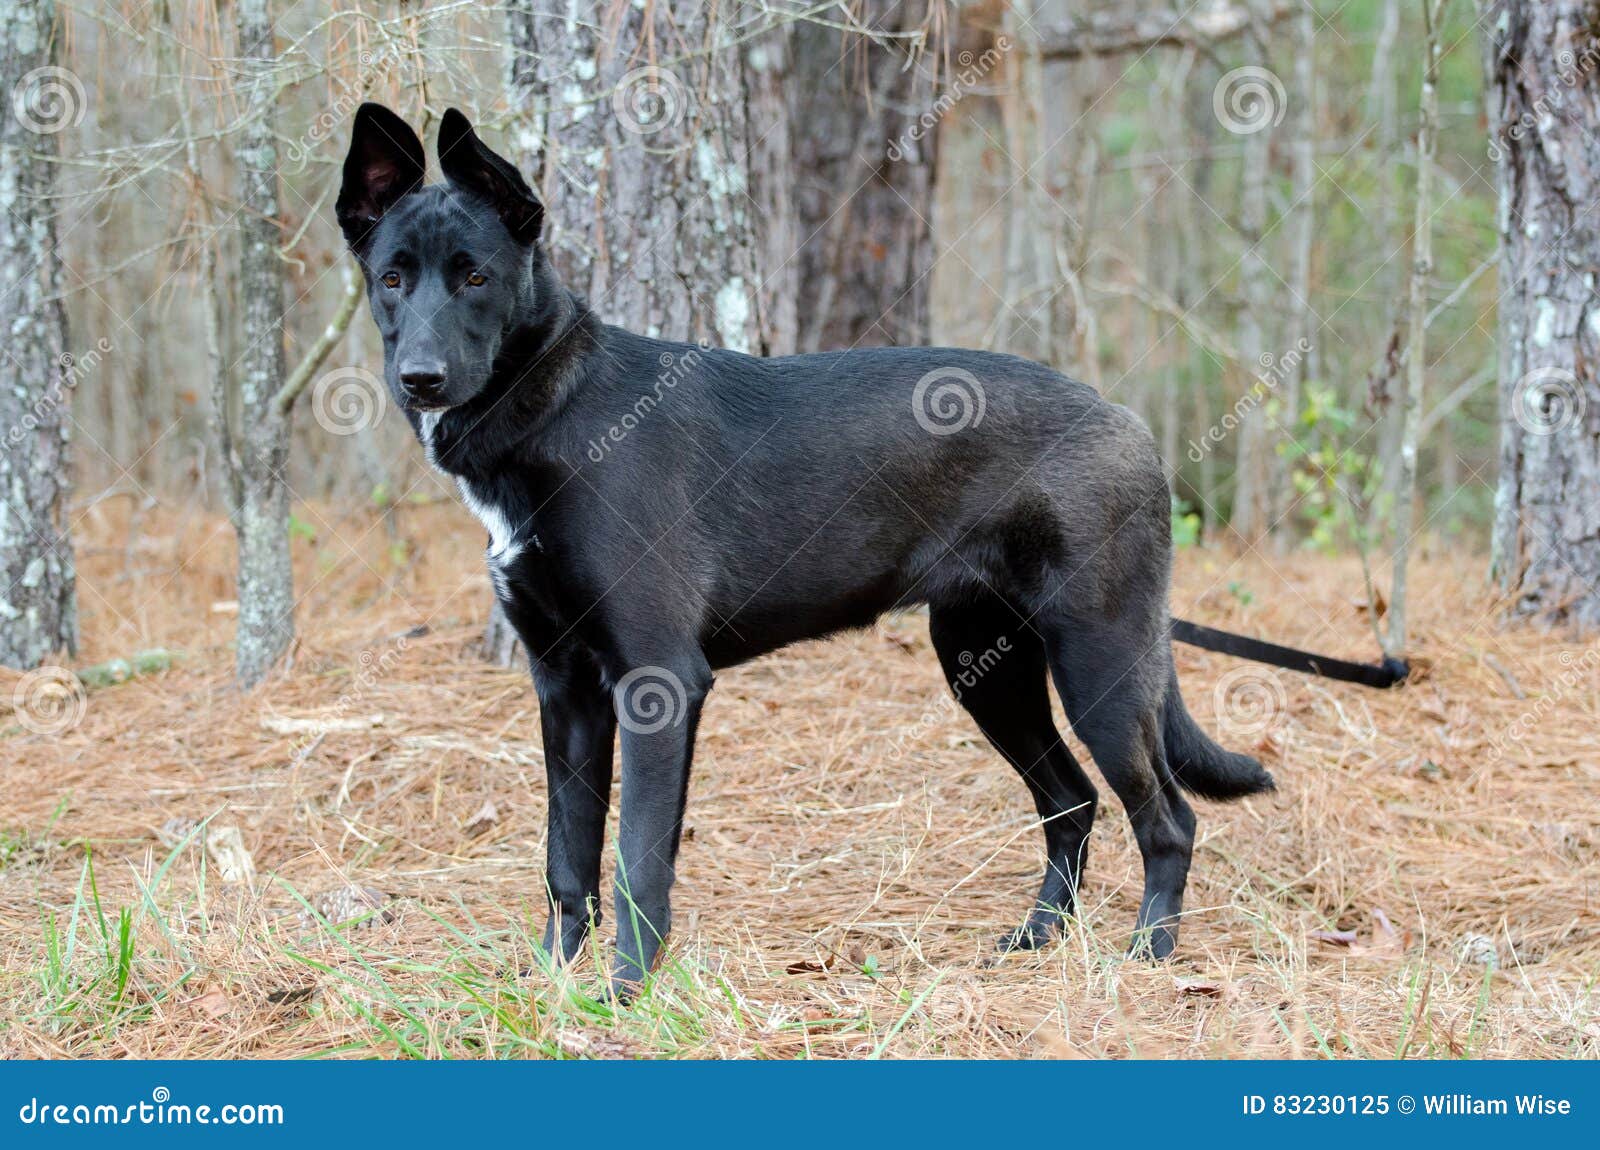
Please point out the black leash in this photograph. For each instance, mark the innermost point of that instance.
(1386, 674)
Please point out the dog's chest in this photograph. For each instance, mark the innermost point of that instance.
(510, 532)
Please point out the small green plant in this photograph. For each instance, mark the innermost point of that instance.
(1339, 488)
(1185, 524)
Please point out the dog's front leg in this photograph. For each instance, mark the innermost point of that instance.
(658, 707)
(579, 727)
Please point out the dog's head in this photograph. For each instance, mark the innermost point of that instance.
(451, 269)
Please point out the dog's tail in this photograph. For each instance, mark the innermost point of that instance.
(1197, 763)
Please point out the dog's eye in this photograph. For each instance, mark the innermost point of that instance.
(477, 279)
(391, 279)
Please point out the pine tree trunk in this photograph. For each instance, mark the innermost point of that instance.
(261, 503)
(660, 148)
(634, 123)
(1544, 72)
(38, 613)
(865, 146)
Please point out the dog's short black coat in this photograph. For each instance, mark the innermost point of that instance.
(657, 510)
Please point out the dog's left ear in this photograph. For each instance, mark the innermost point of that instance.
(469, 164)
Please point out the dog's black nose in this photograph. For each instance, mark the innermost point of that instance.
(422, 382)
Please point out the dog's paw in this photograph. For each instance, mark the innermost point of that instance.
(1029, 936)
(1153, 945)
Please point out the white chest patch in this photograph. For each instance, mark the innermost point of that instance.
(504, 545)
(428, 425)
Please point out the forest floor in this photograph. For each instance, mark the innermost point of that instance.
(1424, 883)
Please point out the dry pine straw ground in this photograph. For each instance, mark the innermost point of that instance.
(852, 849)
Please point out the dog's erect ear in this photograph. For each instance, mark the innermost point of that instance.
(385, 162)
(469, 164)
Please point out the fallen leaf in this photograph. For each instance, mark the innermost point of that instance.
(1363, 607)
(593, 1044)
(1200, 987)
(485, 817)
(213, 1003)
(225, 847)
(1387, 942)
(808, 966)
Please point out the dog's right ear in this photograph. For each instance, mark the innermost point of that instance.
(385, 162)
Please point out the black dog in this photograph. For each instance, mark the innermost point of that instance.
(772, 500)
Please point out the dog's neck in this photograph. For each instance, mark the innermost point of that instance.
(535, 373)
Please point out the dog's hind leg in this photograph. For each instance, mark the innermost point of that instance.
(995, 664)
(1112, 679)
(579, 727)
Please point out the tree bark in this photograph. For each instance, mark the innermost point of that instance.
(38, 606)
(864, 140)
(634, 120)
(1188, 25)
(260, 504)
(1543, 62)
